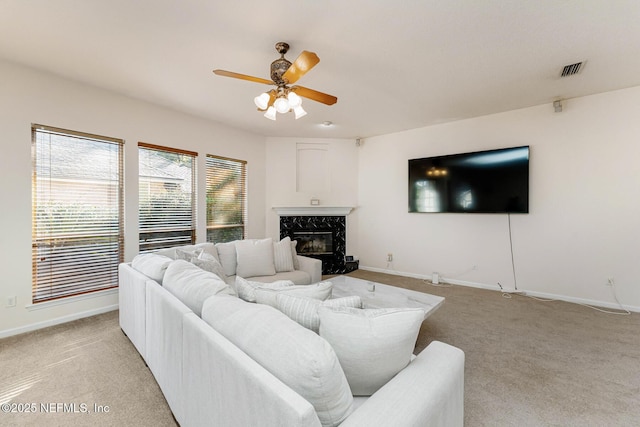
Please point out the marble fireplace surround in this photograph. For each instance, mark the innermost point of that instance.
(295, 221)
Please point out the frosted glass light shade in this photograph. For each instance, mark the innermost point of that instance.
(282, 105)
(271, 113)
(294, 100)
(299, 112)
(262, 101)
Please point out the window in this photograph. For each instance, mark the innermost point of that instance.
(226, 199)
(77, 225)
(167, 197)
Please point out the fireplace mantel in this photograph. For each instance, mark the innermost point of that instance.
(313, 210)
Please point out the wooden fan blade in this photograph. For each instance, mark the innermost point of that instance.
(315, 95)
(241, 76)
(303, 63)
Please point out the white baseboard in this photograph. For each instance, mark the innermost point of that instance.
(52, 322)
(574, 300)
(425, 277)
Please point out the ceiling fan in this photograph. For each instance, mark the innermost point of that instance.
(285, 98)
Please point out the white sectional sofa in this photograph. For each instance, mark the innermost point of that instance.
(221, 361)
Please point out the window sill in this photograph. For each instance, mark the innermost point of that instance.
(70, 300)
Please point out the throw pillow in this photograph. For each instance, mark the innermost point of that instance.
(227, 257)
(151, 265)
(192, 285)
(304, 310)
(296, 356)
(373, 345)
(255, 257)
(208, 262)
(246, 289)
(282, 257)
(320, 291)
(205, 247)
(187, 254)
(294, 255)
(209, 249)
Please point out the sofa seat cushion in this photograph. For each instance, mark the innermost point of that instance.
(192, 285)
(373, 345)
(298, 357)
(152, 265)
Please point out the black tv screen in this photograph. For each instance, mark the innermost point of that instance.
(494, 181)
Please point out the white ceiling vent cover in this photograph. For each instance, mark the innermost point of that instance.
(570, 70)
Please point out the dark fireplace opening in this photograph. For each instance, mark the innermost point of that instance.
(314, 242)
(321, 237)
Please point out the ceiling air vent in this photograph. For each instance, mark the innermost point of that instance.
(570, 70)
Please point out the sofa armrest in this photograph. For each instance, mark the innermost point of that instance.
(132, 305)
(428, 392)
(312, 266)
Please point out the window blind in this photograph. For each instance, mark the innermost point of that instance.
(77, 212)
(226, 199)
(167, 197)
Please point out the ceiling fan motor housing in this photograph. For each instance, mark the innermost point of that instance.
(278, 68)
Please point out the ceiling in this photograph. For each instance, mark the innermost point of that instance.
(393, 65)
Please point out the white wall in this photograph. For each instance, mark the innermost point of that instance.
(583, 226)
(28, 96)
(281, 172)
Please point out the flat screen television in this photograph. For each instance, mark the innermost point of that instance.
(493, 181)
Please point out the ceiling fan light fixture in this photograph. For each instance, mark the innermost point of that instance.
(284, 73)
(282, 105)
(294, 100)
(299, 112)
(271, 113)
(262, 101)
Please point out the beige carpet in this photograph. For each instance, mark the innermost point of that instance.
(528, 363)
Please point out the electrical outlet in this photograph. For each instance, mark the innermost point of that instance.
(11, 301)
(389, 257)
(610, 281)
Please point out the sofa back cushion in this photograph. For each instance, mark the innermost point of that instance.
(151, 265)
(320, 291)
(255, 257)
(296, 356)
(192, 285)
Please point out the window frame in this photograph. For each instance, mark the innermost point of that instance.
(193, 197)
(210, 176)
(61, 279)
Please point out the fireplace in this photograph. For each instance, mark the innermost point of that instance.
(321, 237)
